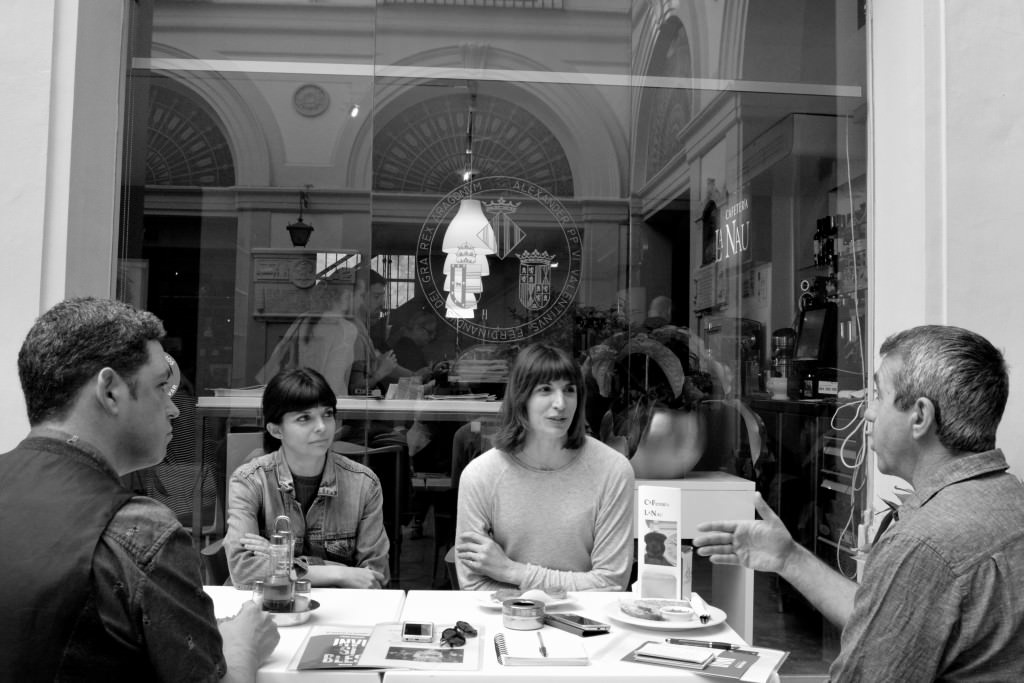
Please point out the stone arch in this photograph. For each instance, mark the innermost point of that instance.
(665, 112)
(421, 149)
(185, 141)
(238, 108)
(592, 135)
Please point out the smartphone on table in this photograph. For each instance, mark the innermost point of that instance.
(576, 624)
(418, 631)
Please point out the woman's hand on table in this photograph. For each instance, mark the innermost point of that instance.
(482, 554)
(343, 576)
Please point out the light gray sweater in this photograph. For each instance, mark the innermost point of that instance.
(573, 527)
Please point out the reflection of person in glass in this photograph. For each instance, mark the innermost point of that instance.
(548, 507)
(372, 365)
(334, 503)
(326, 342)
(409, 342)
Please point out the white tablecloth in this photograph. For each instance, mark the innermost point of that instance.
(444, 608)
(337, 606)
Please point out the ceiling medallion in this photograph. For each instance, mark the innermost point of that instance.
(311, 100)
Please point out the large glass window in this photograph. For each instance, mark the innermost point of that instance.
(674, 191)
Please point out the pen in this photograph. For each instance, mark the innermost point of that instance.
(543, 650)
(719, 645)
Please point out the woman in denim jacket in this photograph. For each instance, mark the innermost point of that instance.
(334, 503)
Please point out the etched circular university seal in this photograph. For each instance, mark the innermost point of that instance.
(499, 259)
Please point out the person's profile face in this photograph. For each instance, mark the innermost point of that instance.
(889, 433)
(551, 407)
(146, 425)
(376, 298)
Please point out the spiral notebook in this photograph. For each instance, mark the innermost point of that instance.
(541, 647)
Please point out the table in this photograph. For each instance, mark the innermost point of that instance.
(605, 652)
(711, 496)
(459, 410)
(337, 606)
(246, 404)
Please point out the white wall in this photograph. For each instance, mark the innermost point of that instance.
(27, 75)
(948, 141)
(61, 74)
(985, 172)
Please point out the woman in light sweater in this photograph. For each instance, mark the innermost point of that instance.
(548, 507)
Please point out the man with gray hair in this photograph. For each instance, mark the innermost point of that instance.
(942, 589)
(98, 583)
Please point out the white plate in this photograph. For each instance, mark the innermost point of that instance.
(485, 599)
(613, 610)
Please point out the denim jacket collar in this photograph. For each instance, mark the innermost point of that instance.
(285, 482)
(75, 443)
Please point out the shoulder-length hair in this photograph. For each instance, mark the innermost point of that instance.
(539, 364)
(290, 391)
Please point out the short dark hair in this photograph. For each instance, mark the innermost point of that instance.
(290, 391)
(72, 342)
(963, 375)
(539, 364)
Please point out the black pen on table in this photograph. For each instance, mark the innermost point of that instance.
(716, 644)
(543, 649)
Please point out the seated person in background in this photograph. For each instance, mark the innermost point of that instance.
(326, 342)
(334, 503)
(100, 584)
(372, 366)
(548, 507)
(942, 589)
(409, 341)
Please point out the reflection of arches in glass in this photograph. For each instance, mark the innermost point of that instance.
(422, 149)
(186, 144)
(666, 111)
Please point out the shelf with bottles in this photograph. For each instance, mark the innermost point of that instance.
(840, 242)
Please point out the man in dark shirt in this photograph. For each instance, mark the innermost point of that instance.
(100, 584)
(942, 587)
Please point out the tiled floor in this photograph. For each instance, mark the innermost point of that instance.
(797, 628)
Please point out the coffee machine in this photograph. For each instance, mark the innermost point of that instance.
(737, 343)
